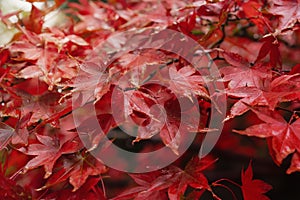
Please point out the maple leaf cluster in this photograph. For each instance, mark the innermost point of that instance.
(60, 58)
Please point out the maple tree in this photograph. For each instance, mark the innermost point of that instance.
(76, 76)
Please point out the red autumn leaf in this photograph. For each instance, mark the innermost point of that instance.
(76, 40)
(172, 179)
(6, 132)
(83, 169)
(219, 11)
(288, 12)
(4, 55)
(42, 106)
(171, 135)
(251, 10)
(10, 102)
(158, 180)
(156, 117)
(282, 89)
(21, 132)
(188, 24)
(271, 47)
(137, 101)
(253, 188)
(90, 83)
(131, 107)
(295, 69)
(151, 125)
(235, 59)
(245, 76)
(157, 15)
(90, 190)
(17, 135)
(29, 51)
(34, 21)
(284, 137)
(172, 119)
(49, 150)
(11, 190)
(295, 163)
(185, 82)
(32, 71)
(141, 59)
(191, 176)
(77, 170)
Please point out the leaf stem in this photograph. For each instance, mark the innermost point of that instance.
(228, 180)
(226, 187)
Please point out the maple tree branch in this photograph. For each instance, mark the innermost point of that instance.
(221, 40)
(160, 67)
(292, 46)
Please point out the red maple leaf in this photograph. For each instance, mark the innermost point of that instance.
(253, 188)
(90, 190)
(191, 176)
(11, 190)
(4, 56)
(235, 59)
(252, 11)
(271, 47)
(185, 82)
(49, 149)
(282, 89)
(241, 74)
(6, 132)
(77, 169)
(284, 136)
(288, 11)
(172, 179)
(17, 135)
